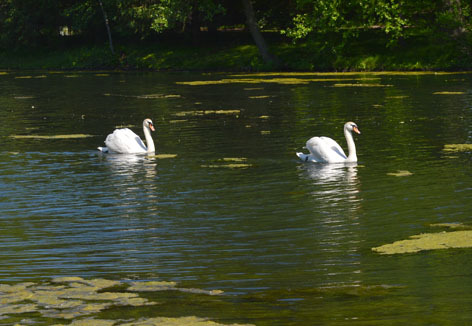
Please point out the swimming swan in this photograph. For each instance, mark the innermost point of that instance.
(124, 141)
(326, 150)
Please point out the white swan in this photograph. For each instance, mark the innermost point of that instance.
(124, 141)
(326, 150)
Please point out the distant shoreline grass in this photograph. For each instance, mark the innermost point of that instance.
(366, 54)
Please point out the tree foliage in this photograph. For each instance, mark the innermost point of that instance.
(30, 23)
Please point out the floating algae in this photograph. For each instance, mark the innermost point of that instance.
(234, 159)
(145, 96)
(451, 225)
(155, 286)
(90, 321)
(457, 148)
(71, 136)
(400, 173)
(182, 321)
(229, 162)
(229, 166)
(428, 241)
(29, 77)
(72, 298)
(152, 286)
(448, 93)
(259, 96)
(206, 112)
(281, 81)
(162, 156)
(362, 85)
(397, 97)
(156, 96)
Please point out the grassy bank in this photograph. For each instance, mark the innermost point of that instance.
(229, 53)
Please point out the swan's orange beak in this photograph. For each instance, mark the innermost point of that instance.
(151, 126)
(356, 130)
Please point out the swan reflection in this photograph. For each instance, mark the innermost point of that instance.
(130, 165)
(132, 180)
(334, 197)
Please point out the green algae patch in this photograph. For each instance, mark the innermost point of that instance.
(152, 286)
(155, 286)
(145, 96)
(71, 136)
(228, 166)
(451, 226)
(162, 156)
(79, 300)
(428, 241)
(260, 96)
(207, 112)
(90, 321)
(281, 80)
(400, 173)
(234, 159)
(448, 93)
(179, 321)
(229, 163)
(457, 148)
(361, 85)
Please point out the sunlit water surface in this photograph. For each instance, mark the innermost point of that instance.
(289, 243)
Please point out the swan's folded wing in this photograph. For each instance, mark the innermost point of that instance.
(125, 141)
(325, 149)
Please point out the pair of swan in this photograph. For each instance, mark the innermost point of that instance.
(322, 149)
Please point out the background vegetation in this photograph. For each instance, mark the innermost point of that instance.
(225, 34)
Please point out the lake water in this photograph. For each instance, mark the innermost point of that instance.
(289, 243)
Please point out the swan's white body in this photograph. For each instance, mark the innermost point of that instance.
(125, 141)
(326, 150)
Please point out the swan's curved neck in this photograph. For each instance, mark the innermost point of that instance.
(351, 146)
(149, 141)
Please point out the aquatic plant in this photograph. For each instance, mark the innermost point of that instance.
(428, 241)
(78, 299)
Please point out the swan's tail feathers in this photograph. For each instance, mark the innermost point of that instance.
(304, 157)
(103, 149)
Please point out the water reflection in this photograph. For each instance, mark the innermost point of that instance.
(128, 165)
(334, 191)
(335, 183)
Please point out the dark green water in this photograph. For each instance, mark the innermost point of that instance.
(289, 243)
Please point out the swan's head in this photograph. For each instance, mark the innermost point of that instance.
(147, 123)
(351, 126)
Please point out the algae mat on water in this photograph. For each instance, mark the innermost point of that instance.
(428, 241)
(79, 300)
